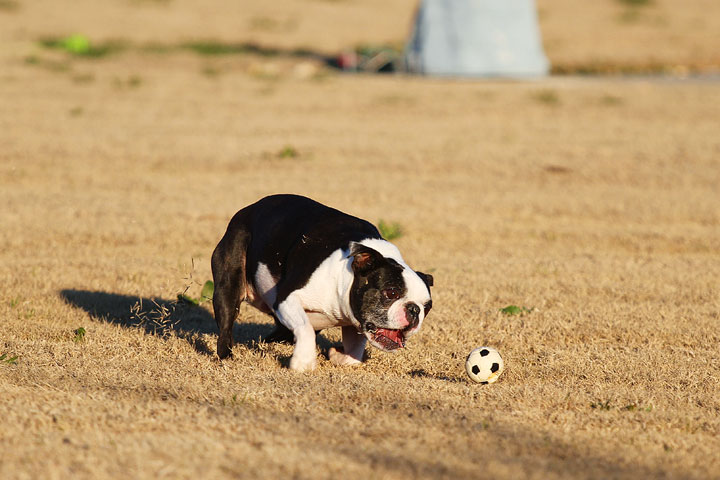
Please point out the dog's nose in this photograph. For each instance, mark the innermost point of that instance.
(413, 312)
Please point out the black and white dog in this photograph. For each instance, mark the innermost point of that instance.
(314, 267)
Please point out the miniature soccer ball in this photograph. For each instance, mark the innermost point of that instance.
(484, 365)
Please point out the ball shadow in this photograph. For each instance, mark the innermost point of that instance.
(421, 373)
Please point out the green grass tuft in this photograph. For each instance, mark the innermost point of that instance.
(206, 295)
(605, 406)
(80, 46)
(185, 298)
(511, 310)
(288, 151)
(611, 100)
(79, 335)
(390, 231)
(547, 97)
(207, 291)
(9, 360)
(210, 71)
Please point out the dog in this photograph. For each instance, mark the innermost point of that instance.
(313, 267)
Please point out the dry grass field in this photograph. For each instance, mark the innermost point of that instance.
(591, 202)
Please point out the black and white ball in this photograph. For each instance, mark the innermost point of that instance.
(484, 365)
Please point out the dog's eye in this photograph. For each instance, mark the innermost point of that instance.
(427, 307)
(391, 293)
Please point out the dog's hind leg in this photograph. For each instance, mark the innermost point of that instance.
(228, 269)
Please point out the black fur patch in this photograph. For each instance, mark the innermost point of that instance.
(292, 235)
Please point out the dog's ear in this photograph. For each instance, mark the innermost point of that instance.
(427, 278)
(365, 258)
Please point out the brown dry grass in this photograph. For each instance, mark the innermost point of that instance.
(593, 201)
(632, 36)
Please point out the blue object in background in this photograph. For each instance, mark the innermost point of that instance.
(484, 38)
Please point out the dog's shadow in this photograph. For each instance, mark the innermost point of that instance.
(160, 317)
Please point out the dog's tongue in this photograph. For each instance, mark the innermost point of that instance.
(390, 339)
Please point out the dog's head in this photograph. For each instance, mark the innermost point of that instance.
(388, 298)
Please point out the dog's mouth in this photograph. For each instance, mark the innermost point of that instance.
(386, 338)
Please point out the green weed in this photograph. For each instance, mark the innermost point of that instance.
(79, 335)
(185, 298)
(211, 72)
(288, 151)
(511, 310)
(206, 295)
(51, 65)
(390, 231)
(80, 46)
(611, 100)
(207, 291)
(601, 405)
(9, 360)
(633, 407)
(547, 97)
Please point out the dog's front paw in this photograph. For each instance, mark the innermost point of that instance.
(339, 358)
(302, 364)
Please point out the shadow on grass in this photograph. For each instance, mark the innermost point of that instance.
(421, 373)
(161, 317)
(81, 46)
